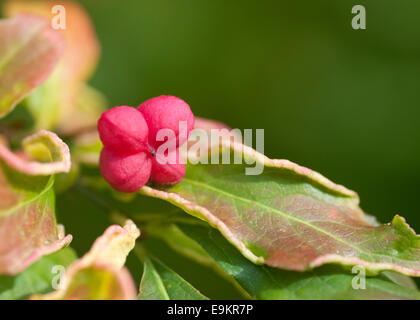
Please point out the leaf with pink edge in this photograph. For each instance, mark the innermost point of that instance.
(52, 153)
(29, 50)
(100, 274)
(290, 217)
(64, 100)
(325, 283)
(28, 229)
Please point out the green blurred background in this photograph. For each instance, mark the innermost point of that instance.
(343, 102)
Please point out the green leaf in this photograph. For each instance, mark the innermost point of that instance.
(87, 147)
(38, 277)
(83, 112)
(28, 229)
(44, 103)
(29, 50)
(161, 283)
(263, 282)
(289, 216)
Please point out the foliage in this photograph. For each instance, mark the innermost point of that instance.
(288, 233)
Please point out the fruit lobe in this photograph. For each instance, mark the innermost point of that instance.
(167, 112)
(125, 173)
(123, 130)
(167, 169)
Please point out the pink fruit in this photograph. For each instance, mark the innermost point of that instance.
(166, 112)
(171, 172)
(131, 154)
(125, 173)
(123, 130)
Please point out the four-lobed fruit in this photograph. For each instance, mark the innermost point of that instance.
(129, 158)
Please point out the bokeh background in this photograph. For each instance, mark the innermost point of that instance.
(343, 102)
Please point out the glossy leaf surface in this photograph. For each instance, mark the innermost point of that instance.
(327, 282)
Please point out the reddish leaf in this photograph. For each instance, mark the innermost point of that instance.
(100, 274)
(290, 217)
(65, 101)
(28, 229)
(29, 50)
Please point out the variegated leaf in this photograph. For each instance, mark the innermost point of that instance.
(64, 100)
(29, 50)
(100, 274)
(28, 229)
(289, 216)
(325, 283)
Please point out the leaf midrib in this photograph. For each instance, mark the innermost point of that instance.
(284, 214)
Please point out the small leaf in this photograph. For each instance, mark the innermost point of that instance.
(161, 283)
(263, 282)
(82, 46)
(28, 229)
(46, 147)
(289, 216)
(100, 274)
(39, 277)
(87, 147)
(87, 105)
(29, 50)
(113, 246)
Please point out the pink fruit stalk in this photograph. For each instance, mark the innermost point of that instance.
(129, 157)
